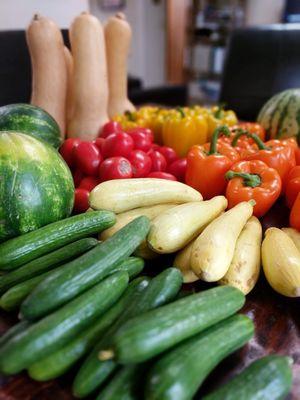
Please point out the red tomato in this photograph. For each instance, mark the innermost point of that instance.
(142, 139)
(81, 203)
(99, 142)
(178, 168)
(162, 175)
(117, 145)
(159, 162)
(115, 168)
(169, 154)
(88, 158)
(109, 128)
(155, 147)
(67, 150)
(140, 162)
(77, 177)
(88, 183)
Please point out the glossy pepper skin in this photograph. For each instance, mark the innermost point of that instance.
(295, 214)
(217, 116)
(275, 154)
(253, 180)
(242, 143)
(292, 187)
(181, 131)
(206, 169)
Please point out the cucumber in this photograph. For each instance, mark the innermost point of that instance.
(145, 336)
(55, 330)
(13, 297)
(46, 262)
(14, 330)
(22, 249)
(132, 265)
(61, 360)
(179, 373)
(84, 272)
(163, 288)
(269, 378)
(124, 385)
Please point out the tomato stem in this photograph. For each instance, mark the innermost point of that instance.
(220, 130)
(251, 180)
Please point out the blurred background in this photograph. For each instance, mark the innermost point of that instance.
(180, 47)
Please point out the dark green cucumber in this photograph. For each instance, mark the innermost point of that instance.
(57, 329)
(132, 265)
(14, 330)
(13, 297)
(269, 378)
(84, 272)
(145, 336)
(163, 288)
(124, 385)
(180, 372)
(46, 262)
(22, 249)
(61, 360)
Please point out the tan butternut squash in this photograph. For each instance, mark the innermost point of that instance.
(49, 72)
(90, 87)
(69, 99)
(117, 39)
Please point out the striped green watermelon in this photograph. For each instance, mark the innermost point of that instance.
(36, 185)
(31, 120)
(280, 116)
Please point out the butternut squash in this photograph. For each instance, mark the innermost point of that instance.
(90, 87)
(49, 72)
(117, 39)
(69, 99)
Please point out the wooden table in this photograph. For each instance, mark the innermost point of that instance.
(277, 323)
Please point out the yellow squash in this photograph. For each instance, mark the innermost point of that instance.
(182, 261)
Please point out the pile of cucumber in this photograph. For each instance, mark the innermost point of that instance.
(84, 305)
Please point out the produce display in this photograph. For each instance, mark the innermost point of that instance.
(108, 211)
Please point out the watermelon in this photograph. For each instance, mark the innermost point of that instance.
(280, 116)
(36, 185)
(31, 120)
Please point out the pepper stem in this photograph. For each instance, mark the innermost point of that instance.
(251, 180)
(181, 112)
(219, 111)
(257, 140)
(220, 130)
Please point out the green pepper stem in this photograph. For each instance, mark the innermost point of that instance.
(220, 130)
(219, 111)
(257, 140)
(251, 180)
(181, 112)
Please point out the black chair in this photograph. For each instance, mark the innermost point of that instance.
(15, 76)
(260, 62)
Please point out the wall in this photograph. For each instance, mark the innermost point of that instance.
(147, 56)
(16, 14)
(260, 12)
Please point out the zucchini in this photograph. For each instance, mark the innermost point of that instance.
(57, 329)
(145, 336)
(163, 288)
(124, 385)
(269, 378)
(46, 262)
(13, 297)
(22, 249)
(14, 330)
(179, 373)
(61, 360)
(84, 272)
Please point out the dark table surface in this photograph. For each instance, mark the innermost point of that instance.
(277, 330)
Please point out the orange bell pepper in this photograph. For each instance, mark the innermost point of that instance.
(275, 154)
(207, 165)
(253, 127)
(292, 187)
(253, 180)
(295, 214)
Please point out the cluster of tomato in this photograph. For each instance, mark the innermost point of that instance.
(117, 154)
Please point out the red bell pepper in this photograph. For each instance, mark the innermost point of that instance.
(253, 180)
(295, 214)
(207, 165)
(292, 187)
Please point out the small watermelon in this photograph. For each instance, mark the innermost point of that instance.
(31, 120)
(36, 185)
(280, 116)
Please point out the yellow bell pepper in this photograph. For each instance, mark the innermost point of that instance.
(217, 116)
(181, 131)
